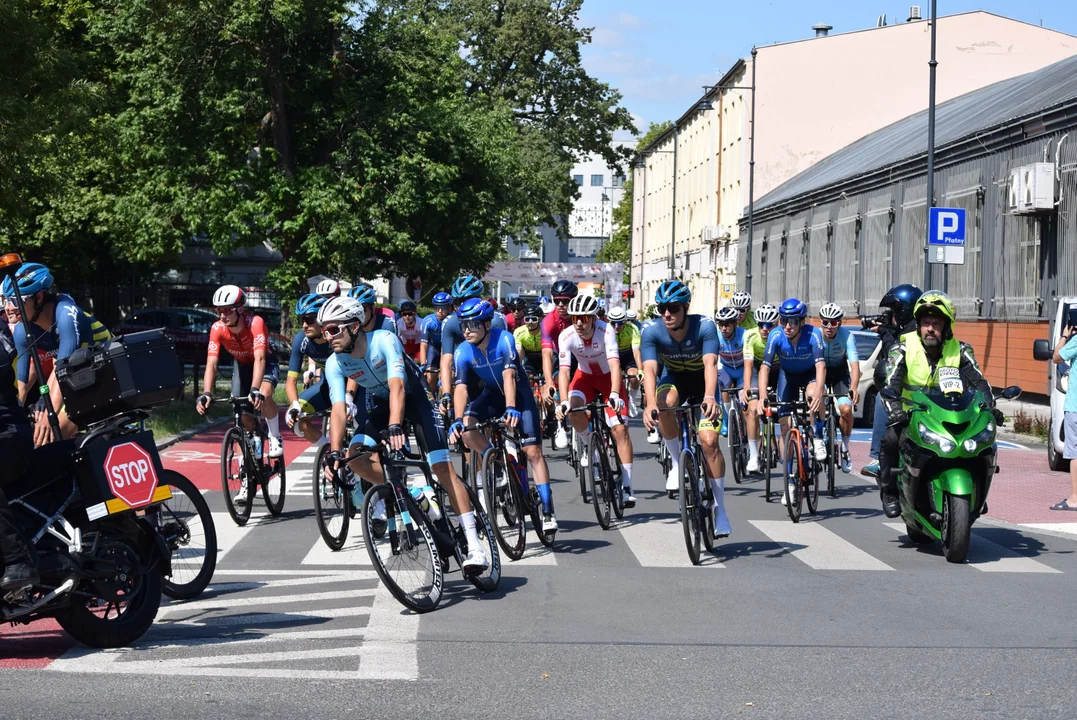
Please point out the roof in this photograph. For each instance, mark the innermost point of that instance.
(963, 117)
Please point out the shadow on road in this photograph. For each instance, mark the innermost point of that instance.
(764, 548)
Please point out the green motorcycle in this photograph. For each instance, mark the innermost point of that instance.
(946, 463)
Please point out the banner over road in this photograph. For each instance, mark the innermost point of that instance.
(537, 273)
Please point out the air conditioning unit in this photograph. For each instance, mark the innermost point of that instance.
(723, 232)
(710, 235)
(1032, 188)
(1016, 190)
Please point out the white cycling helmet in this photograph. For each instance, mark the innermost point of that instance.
(341, 310)
(632, 314)
(726, 314)
(583, 305)
(229, 296)
(766, 314)
(617, 314)
(741, 300)
(328, 288)
(831, 311)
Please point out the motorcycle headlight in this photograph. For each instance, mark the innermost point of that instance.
(945, 444)
(984, 437)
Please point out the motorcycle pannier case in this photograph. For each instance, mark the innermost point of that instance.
(130, 372)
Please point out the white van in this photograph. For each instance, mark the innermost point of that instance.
(1057, 382)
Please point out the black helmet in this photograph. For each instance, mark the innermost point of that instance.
(515, 302)
(564, 288)
(901, 299)
(534, 309)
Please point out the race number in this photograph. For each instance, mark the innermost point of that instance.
(950, 381)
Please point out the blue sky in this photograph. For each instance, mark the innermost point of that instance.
(659, 54)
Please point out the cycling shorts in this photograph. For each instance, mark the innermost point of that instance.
(435, 357)
(372, 419)
(315, 399)
(588, 386)
(838, 380)
(772, 381)
(628, 359)
(729, 377)
(243, 376)
(789, 385)
(491, 403)
(691, 388)
(531, 363)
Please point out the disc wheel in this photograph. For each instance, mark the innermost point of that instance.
(405, 558)
(504, 505)
(706, 511)
(332, 505)
(274, 488)
(598, 480)
(690, 506)
(235, 480)
(185, 523)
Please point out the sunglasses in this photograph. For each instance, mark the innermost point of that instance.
(618, 324)
(531, 319)
(831, 323)
(311, 319)
(224, 311)
(562, 301)
(407, 314)
(671, 308)
(472, 325)
(332, 331)
(578, 318)
(766, 326)
(726, 323)
(790, 321)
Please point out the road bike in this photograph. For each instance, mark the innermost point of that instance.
(185, 523)
(333, 508)
(697, 497)
(245, 466)
(800, 469)
(769, 449)
(603, 470)
(831, 440)
(737, 436)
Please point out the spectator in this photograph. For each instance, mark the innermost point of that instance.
(1065, 352)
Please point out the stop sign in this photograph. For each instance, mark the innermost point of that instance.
(131, 474)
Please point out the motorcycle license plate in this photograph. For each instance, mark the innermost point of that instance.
(950, 381)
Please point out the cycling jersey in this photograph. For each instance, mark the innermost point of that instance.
(755, 344)
(552, 326)
(252, 335)
(841, 349)
(593, 355)
(731, 351)
(798, 359)
(452, 336)
(72, 328)
(12, 417)
(700, 339)
(303, 346)
(527, 341)
(384, 359)
(749, 323)
(470, 362)
(510, 322)
(430, 332)
(628, 337)
(409, 335)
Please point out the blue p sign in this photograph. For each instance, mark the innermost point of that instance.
(946, 226)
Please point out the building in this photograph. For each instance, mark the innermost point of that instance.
(855, 223)
(813, 97)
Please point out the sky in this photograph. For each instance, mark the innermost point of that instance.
(660, 53)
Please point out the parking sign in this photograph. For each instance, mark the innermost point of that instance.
(946, 236)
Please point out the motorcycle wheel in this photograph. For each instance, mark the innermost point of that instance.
(916, 536)
(956, 528)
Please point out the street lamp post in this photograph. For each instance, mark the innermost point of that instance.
(930, 146)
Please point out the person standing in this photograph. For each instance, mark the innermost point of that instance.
(1066, 352)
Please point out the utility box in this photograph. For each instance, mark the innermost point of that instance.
(1032, 188)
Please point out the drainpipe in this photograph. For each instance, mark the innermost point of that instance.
(673, 217)
(751, 187)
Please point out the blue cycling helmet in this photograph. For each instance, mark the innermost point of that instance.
(793, 308)
(673, 291)
(32, 278)
(466, 287)
(364, 293)
(442, 299)
(310, 304)
(475, 309)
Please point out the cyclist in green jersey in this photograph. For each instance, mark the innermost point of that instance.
(529, 339)
(628, 342)
(742, 301)
(755, 343)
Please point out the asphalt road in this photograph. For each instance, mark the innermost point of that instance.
(839, 616)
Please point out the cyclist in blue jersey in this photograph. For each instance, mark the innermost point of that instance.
(842, 373)
(687, 345)
(490, 356)
(393, 390)
(730, 354)
(430, 338)
(58, 327)
(376, 318)
(466, 287)
(312, 345)
(799, 351)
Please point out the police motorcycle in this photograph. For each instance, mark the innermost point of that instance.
(86, 505)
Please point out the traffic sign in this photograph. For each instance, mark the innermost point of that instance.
(946, 236)
(131, 474)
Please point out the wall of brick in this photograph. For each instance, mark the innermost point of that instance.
(1004, 351)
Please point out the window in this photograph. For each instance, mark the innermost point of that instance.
(618, 180)
(596, 180)
(578, 179)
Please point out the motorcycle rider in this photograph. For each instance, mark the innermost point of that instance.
(16, 448)
(913, 364)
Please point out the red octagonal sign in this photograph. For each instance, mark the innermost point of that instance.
(131, 474)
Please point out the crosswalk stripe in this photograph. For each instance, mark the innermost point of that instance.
(352, 554)
(225, 602)
(658, 541)
(229, 534)
(988, 556)
(817, 547)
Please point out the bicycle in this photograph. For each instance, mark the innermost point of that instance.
(737, 435)
(333, 509)
(805, 473)
(411, 539)
(250, 468)
(603, 471)
(185, 523)
(697, 497)
(768, 448)
(833, 443)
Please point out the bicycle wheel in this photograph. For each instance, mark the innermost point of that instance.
(186, 524)
(811, 484)
(616, 485)
(504, 504)
(598, 480)
(793, 490)
(706, 509)
(235, 476)
(490, 578)
(832, 446)
(690, 505)
(273, 487)
(576, 454)
(736, 441)
(534, 503)
(766, 448)
(332, 505)
(405, 558)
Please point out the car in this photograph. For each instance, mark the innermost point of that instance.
(868, 346)
(187, 327)
(1057, 381)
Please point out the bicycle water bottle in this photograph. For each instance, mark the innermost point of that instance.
(428, 505)
(433, 511)
(256, 447)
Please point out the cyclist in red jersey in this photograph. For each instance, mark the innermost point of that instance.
(552, 326)
(254, 366)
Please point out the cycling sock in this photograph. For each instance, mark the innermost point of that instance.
(585, 436)
(467, 521)
(718, 488)
(546, 496)
(626, 474)
(819, 429)
(753, 449)
(845, 442)
(674, 448)
(274, 425)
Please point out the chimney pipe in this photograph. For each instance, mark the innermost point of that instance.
(914, 13)
(822, 29)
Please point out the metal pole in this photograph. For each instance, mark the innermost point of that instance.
(673, 217)
(751, 187)
(930, 145)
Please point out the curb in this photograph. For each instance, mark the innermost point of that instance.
(994, 522)
(1031, 441)
(190, 433)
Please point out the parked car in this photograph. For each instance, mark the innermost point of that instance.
(187, 327)
(1057, 380)
(868, 346)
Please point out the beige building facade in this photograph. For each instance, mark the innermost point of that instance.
(812, 97)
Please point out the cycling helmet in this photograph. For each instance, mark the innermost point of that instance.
(673, 291)
(328, 288)
(515, 302)
(901, 299)
(467, 286)
(831, 311)
(583, 305)
(632, 314)
(475, 309)
(793, 308)
(726, 314)
(741, 300)
(229, 296)
(31, 277)
(564, 288)
(766, 314)
(342, 310)
(935, 302)
(406, 306)
(364, 293)
(442, 299)
(617, 315)
(534, 310)
(310, 303)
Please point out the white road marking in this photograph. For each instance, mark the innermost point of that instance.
(229, 534)
(988, 556)
(659, 542)
(225, 602)
(352, 554)
(390, 650)
(817, 547)
(1065, 527)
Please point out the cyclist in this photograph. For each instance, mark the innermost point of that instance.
(17, 450)
(58, 327)
(633, 317)
(755, 345)
(312, 345)
(327, 288)
(430, 338)
(408, 329)
(628, 351)
(730, 353)
(466, 287)
(552, 326)
(529, 340)
(799, 350)
(742, 303)
(376, 318)
(687, 346)
(514, 318)
(593, 344)
(842, 374)
(392, 391)
(254, 366)
(490, 354)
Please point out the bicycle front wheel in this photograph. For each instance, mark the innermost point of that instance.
(236, 477)
(736, 441)
(186, 524)
(794, 491)
(274, 488)
(690, 505)
(832, 449)
(332, 505)
(598, 480)
(504, 505)
(810, 481)
(766, 447)
(405, 558)
(490, 578)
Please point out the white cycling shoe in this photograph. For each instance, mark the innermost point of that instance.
(241, 496)
(585, 460)
(276, 446)
(560, 438)
(846, 462)
(549, 523)
(820, 449)
(629, 498)
(788, 493)
(753, 465)
(476, 560)
(653, 437)
(673, 480)
(722, 529)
